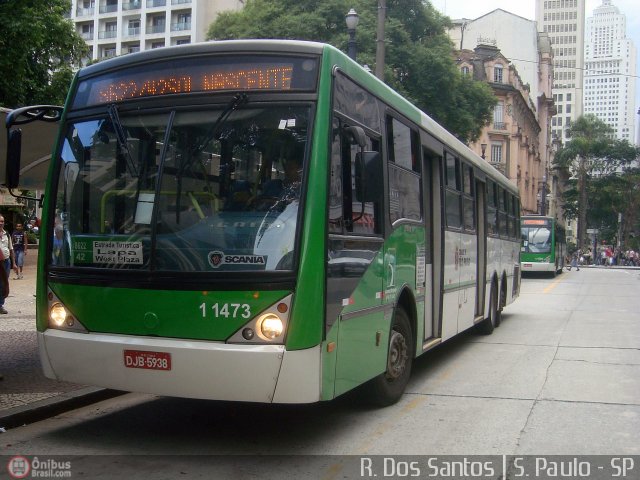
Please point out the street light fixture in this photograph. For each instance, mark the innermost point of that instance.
(352, 20)
(483, 147)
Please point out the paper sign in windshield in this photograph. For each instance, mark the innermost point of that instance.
(121, 253)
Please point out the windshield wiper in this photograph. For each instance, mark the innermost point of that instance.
(121, 137)
(237, 100)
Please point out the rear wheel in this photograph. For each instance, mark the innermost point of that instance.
(487, 326)
(388, 387)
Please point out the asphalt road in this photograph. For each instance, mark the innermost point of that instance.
(560, 376)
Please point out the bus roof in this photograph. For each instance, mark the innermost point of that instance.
(353, 69)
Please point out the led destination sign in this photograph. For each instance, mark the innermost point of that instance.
(536, 221)
(199, 75)
(261, 78)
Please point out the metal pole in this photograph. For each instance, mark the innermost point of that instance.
(351, 46)
(382, 15)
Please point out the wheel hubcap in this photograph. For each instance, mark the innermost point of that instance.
(397, 360)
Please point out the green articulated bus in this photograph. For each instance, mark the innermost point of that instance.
(543, 245)
(259, 221)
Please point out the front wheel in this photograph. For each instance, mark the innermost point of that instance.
(388, 387)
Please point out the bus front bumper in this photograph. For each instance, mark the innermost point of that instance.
(198, 369)
(537, 267)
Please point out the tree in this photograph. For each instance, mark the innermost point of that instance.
(39, 46)
(419, 62)
(593, 156)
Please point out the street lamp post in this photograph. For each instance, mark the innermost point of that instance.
(352, 22)
(543, 196)
(382, 15)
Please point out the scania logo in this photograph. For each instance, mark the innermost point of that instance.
(216, 259)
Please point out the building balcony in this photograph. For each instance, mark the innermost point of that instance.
(179, 2)
(132, 5)
(108, 8)
(128, 50)
(107, 34)
(180, 27)
(156, 28)
(156, 3)
(499, 126)
(85, 12)
(87, 35)
(132, 32)
(498, 166)
(108, 54)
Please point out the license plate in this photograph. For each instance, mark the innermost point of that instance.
(527, 265)
(147, 360)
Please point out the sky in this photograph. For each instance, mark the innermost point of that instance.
(526, 8)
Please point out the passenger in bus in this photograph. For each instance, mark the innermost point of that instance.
(58, 243)
(281, 192)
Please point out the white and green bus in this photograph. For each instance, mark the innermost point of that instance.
(543, 245)
(259, 221)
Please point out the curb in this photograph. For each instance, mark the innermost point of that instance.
(50, 407)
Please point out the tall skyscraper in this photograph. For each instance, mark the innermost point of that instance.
(563, 20)
(610, 69)
(117, 27)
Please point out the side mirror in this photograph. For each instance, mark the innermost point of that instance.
(14, 150)
(22, 116)
(356, 136)
(369, 184)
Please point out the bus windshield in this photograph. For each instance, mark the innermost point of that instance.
(536, 239)
(199, 190)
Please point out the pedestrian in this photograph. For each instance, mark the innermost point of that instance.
(575, 262)
(19, 240)
(6, 258)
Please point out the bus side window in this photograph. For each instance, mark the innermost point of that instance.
(359, 217)
(348, 215)
(452, 199)
(492, 211)
(336, 197)
(405, 195)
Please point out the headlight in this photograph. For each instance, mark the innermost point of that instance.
(60, 318)
(270, 326)
(58, 315)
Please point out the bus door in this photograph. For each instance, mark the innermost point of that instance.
(433, 227)
(466, 256)
(355, 271)
(481, 274)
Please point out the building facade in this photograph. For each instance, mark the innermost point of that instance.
(564, 20)
(610, 71)
(509, 53)
(512, 142)
(118, 27)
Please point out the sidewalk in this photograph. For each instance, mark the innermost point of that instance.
(25, 393)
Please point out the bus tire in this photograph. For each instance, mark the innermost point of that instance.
(388, 387)
(489, 324)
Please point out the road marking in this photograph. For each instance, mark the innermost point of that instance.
(553, 285)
